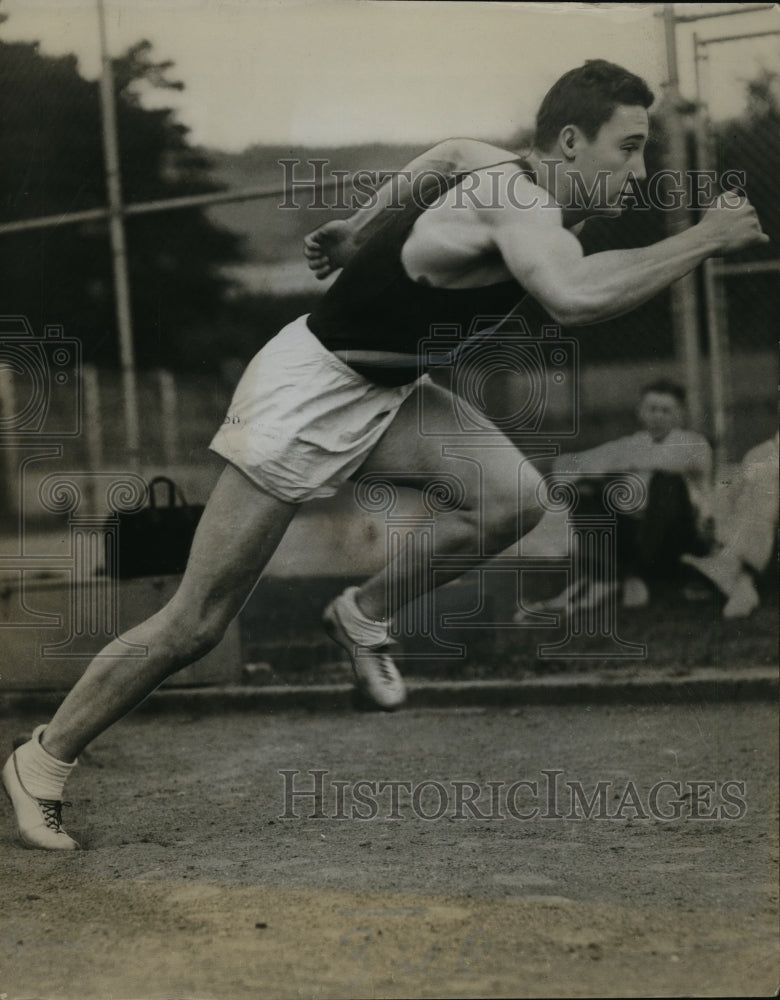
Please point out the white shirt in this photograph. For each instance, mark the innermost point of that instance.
(682, 451)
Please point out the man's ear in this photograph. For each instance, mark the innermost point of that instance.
(569, 139)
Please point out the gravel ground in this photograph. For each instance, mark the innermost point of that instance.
(195, 886)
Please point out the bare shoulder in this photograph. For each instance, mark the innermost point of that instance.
(474, 154)
(505, 195)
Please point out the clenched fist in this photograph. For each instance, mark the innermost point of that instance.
(732, 221)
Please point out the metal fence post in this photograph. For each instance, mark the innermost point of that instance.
(116, 225)
(683, 292)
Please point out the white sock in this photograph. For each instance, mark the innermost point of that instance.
(361, 629)
(42, 775)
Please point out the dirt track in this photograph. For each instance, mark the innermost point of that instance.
(193, 885)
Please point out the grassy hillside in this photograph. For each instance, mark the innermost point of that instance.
(273, 235)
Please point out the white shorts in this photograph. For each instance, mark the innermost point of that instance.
(301, 421)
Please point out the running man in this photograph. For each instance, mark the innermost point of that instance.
(321, 402)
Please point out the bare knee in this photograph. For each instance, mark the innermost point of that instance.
(507, 519)
(190, 632)
(512, 508)
(533, 501)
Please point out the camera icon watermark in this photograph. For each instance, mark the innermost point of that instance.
(40, 382)
(502, 356)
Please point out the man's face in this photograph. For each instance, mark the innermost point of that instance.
(617, 152)
(659, 413)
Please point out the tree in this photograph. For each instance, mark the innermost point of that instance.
(53, 163)
(751, 143)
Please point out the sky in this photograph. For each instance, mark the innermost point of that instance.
(330, 72)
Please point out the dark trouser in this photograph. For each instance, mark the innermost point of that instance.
(649, 543)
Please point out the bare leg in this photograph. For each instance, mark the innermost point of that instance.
(238, 532)
(499, 487)
(751, 537)
(754, 520)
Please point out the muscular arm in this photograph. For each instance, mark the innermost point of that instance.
(331, 246)
(448, 158)
(577, 290)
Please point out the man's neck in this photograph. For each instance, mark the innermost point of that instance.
(551, 175)
(545, 168)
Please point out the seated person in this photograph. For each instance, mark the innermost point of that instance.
(675, 465)
(749, 537)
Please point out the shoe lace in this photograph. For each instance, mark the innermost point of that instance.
(387, 667)
(52, 813)
(380, 662)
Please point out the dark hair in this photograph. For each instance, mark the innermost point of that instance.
(667, 388)
(587, 97)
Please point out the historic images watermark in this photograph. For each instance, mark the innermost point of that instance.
(314, 183)
(550, 795)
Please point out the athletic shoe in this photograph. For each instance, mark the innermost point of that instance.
(744, 599)
(635, 593)
(39, 820)
(720, 569)
(530, 613)
(592, 597)
(377, 676)
(560, 604)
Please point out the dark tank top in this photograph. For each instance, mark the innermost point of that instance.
(375, 306)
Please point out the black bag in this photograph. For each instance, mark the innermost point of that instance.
(156, 540)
